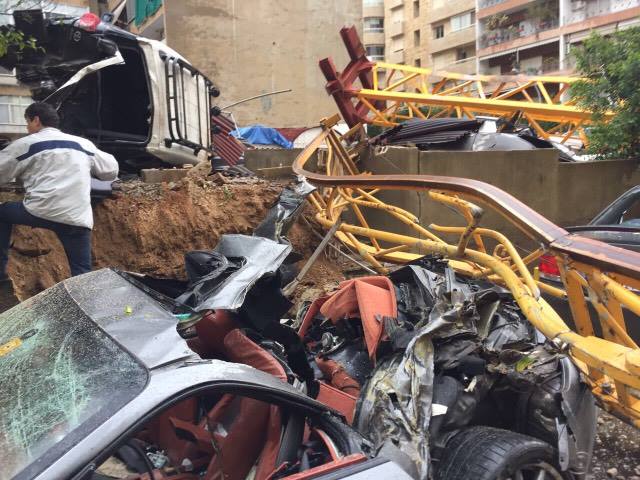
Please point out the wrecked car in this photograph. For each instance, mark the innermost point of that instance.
(425, 350)
(108, 378)
(133, 97)
(419, 374)
(99, 385)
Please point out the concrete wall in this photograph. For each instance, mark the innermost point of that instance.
(253, 47)
(269, 158)
(566, 193)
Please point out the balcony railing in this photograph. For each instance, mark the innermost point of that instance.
(544, 67)
(515, 31)
(465, 65)
(581, 10)
(373, 30)
(490, 3)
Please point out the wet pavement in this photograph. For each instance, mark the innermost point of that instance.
(617, 450)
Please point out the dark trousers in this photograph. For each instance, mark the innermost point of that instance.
(75, 240)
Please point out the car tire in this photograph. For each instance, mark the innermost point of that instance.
(485, 453)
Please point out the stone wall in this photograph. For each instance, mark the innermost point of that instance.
(252, 47)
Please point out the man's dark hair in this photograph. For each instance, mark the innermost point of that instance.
(46, 113)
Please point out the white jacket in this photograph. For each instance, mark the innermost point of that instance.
(55, 170)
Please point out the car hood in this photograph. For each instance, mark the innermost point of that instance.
(132, 318)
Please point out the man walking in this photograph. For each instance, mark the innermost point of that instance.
(55, 170)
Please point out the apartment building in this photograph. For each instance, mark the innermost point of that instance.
(536, 36)
(406, 32)
(14, 99)
(431, 33)
(452, 44)
(373, 29)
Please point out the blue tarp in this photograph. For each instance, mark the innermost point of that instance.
(261, 135)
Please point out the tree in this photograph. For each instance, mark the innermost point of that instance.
(611, 68)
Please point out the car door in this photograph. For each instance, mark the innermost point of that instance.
(234, 433)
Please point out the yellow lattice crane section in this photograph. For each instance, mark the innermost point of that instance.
(388, 94)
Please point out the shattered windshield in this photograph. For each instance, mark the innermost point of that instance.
(61, 377)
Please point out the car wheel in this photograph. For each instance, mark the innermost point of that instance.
(485, 453)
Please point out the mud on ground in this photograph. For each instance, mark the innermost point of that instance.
(148, 228)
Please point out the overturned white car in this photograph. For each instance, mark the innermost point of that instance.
(133, 97)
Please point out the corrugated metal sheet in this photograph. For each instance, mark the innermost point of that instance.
(225, 146)
(426, 132)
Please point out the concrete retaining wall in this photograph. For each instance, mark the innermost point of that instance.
(269, 157)
(566, 193)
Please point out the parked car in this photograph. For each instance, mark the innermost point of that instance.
(134, 97)
(619, 225)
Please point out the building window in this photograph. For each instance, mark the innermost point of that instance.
(416, 38)
(416, 8)
(417, 62)
(12, 109)
(375, 52)
(438, 31)
(463, 20)
(374, 24)
(373, 3)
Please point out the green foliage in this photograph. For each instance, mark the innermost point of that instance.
(15, 41)
(611, 67)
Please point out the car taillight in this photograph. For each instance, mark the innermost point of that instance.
(89, 22)
(549, 266)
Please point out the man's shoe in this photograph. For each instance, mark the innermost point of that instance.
(8, 297)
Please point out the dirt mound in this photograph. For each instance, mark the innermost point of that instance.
(148, 227)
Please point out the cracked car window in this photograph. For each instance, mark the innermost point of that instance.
(61, 377)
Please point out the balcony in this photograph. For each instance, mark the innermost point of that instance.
(449, 10)
(581, 10)
(489, 3)
(373, 10)
(371, 37)
(396, 28)
(466, 66)
(453, 39)
(546, 67)
(526, 28)
(491, 7)
(396, 57)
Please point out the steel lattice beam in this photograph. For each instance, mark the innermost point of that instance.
(388, 94)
